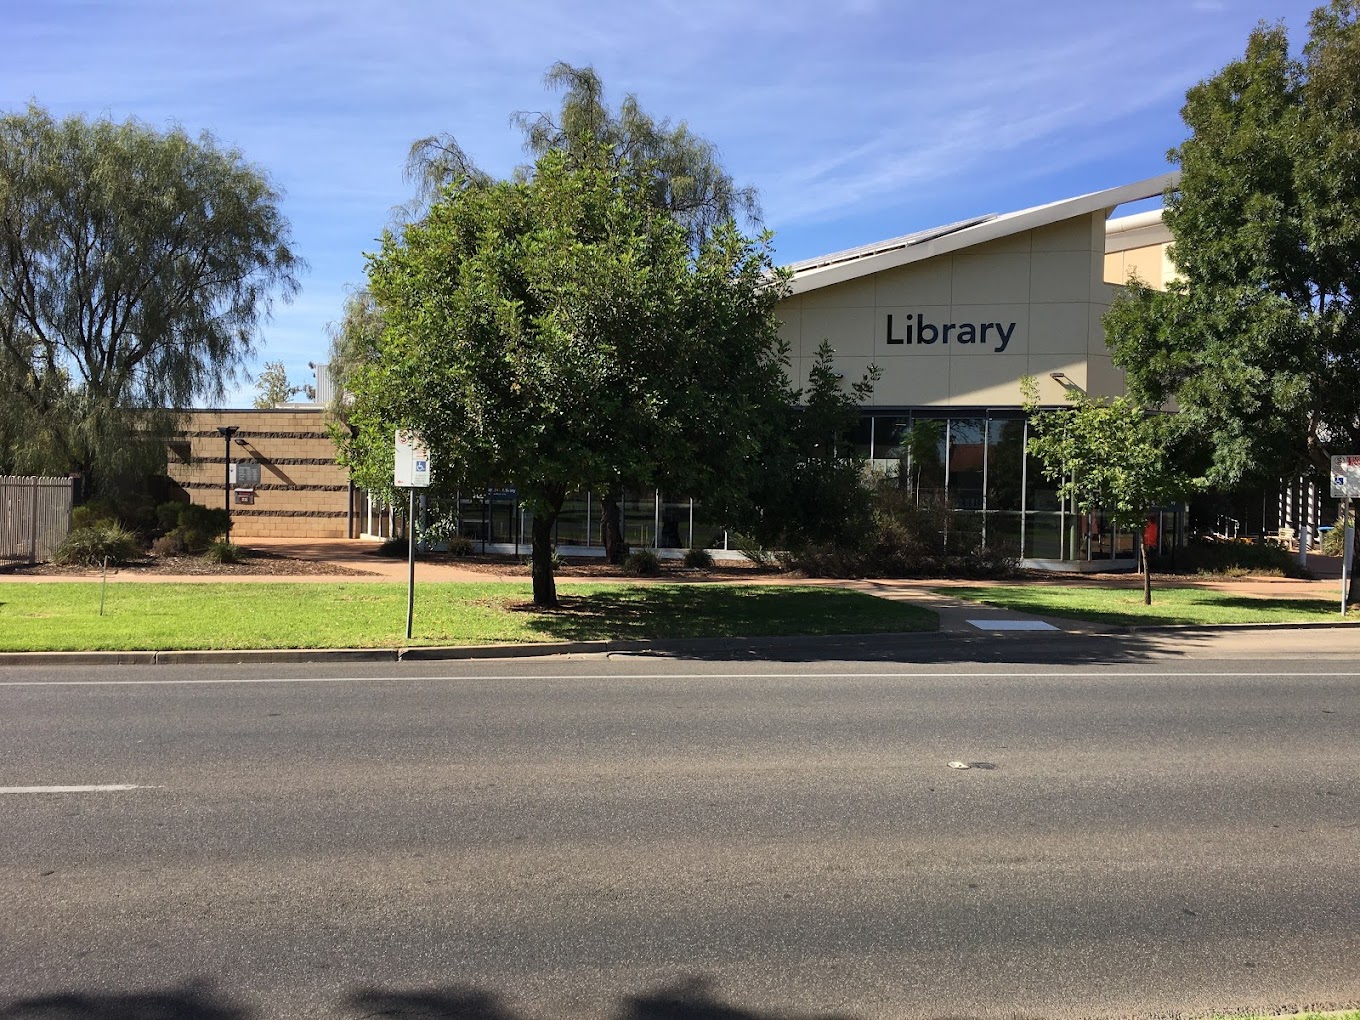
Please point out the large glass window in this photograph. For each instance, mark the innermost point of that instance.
(639, 520)
(503, 512)
(922, 452)
(1041, 492)
(674, 533)
(1043, 536)
(709, 530)
(966, 453)
(1005, 453)
(1003, 532)
(575, 522)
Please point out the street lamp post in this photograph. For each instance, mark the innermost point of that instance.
(227, 431)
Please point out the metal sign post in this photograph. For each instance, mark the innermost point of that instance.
(410, 471)
(411, 562)
(1345, 486)
(1347, 537)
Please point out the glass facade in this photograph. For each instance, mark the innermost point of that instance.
(974, 463)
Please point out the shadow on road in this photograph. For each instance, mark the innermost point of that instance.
(689, 1000)
(1050, 649)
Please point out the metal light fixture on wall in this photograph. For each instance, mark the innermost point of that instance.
(226, 432)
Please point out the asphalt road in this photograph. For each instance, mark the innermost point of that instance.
(1151, 826)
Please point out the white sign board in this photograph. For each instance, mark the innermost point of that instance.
(412, 470)
(1346, 476)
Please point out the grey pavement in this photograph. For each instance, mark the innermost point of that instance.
(1155, 828)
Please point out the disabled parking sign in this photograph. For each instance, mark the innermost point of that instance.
(411, 468)
(1346, 476)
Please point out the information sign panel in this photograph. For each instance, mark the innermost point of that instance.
(1346, 476)
(412, 469)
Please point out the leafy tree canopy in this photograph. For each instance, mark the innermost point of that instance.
(272, 386)
(1258, 342)
(559, 331)
(684, 174)
(1112, 457)
(135, 268)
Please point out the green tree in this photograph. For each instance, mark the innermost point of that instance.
(1258, 342)
(135, 269)
(1111, 456)
(272, 387)
(558, 331)
(683, 173)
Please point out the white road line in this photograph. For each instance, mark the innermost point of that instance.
(106, 788)
(954, 675)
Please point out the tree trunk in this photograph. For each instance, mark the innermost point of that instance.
(545, 585)
(1147, 568)
(611, 525)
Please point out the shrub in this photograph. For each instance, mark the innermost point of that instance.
(1334, 541)
(395, 547)
(911, 539)
(642, 563)
(1225, 556)
(103, 540)
(700, 559)
(167, 516)
(755, 552)
(167, 545)
(223, 552)
(460, 545)
(87, 515)
(200, 526)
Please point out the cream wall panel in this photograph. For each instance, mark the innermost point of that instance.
(850, 330)
(1147, 263)
(1060, 328)
(1096, 344)
(851, 294)
(991, 279)
(1103, 378)
(1114, 268)
(907, 381)
(1050, 390)
(1012, 244)
(987, 382)
(1069, 235)
(1060, 276)
(923, 283)
(791, 330)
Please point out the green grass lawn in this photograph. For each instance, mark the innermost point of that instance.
(65, 616)
(1170, 605)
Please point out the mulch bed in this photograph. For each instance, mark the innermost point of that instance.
(257, 563)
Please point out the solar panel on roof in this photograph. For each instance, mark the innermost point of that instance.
(892, 244)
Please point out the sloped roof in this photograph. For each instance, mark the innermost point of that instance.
(853, 263)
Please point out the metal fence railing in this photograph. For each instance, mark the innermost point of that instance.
(35, 515)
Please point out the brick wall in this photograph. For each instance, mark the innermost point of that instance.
(302, 492)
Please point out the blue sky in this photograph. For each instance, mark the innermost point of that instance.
(856, 120)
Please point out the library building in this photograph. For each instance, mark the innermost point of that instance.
(954, 317)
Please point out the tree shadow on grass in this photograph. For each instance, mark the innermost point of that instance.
(645, 612)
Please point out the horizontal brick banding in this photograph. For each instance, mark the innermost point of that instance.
(266, 461)
(266, 487)
(235, 512)
(244, 434)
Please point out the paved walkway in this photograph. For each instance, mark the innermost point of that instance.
(956, 615)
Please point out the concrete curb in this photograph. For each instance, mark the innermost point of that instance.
(430, 653)
(1075, 628)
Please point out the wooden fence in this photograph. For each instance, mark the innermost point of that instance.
(35, 515)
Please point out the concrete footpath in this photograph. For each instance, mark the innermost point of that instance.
(958, 617)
